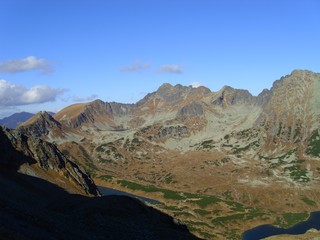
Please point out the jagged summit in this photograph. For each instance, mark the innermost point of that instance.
(42, 115)
(292, 106)
(40, 124)
(302, 71)
(230, 96)
(169, 103)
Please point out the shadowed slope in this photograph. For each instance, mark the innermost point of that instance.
(33, 208)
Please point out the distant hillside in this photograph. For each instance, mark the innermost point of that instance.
(15, 119)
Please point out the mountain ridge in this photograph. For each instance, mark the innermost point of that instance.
(229, 144)
(35, 157)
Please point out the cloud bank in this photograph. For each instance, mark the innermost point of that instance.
(17, 95)
(135, 67)
(26, 64)
(196, 84)
(83, 99)
(175, 69)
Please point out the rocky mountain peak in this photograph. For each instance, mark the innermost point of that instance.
(164, 86)
(230, 96)
(292, 106)
(263, 97)
(172, 93)
(300, 72)
(201, 90)
(40, 124)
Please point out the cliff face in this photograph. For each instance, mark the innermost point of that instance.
(230, 96)
(291, 112)
(32, 156)
(40, 124)
(99, 113)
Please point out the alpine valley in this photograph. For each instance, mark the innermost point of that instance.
(220, 162)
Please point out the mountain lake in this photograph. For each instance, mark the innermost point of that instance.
(110, 191)
(263, 231)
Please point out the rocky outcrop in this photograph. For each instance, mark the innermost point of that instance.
(98, 107)
(18, 149)
(94, 112)
(193, 109)
(290, 112)
(172, 131)
(263, 97)
(172, 94)
(230, 96)
(39, 125)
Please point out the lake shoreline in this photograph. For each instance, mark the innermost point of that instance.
(268, 230)
(106, 191)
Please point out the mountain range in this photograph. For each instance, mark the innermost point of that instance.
(221, 162)
(16, 119)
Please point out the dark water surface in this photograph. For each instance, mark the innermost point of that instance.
(264, 231)
(110, 191)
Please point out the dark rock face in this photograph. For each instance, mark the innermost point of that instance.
(290, 111)
(18, 149)
(120, 109)
(98, 108)
(263, 97)
(172, 94)
(172, 131)
(192, 109)
(83, 118)
(231, 96)
(145, 99)
(43, 124)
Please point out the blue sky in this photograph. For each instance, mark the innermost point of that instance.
(54, 53)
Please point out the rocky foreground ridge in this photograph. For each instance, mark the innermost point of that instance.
(36, 182)
(32, 156)
(261, 152)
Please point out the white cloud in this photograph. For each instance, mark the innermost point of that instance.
(135, 67)
(176, 69)
(26, 64)
(16, 95)
(83, 99)
(196, 84)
